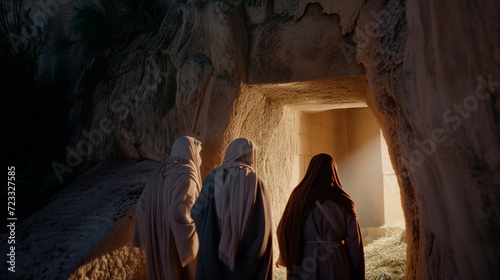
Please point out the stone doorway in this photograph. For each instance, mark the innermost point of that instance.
(353, 137)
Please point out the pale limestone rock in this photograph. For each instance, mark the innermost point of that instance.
(114, 258)
(55, 240)
(284, 50)
(434, 83)
(348, 11)
(236, 77)
(193, 76)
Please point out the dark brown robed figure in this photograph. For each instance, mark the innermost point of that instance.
(318, 235)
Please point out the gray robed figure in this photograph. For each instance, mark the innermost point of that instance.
(232, 217)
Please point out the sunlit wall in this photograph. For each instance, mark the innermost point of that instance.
(353, 137)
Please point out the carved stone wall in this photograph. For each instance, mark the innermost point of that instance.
(218, 70)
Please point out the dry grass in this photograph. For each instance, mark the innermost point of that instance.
(386, 257)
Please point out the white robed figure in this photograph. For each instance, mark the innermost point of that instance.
(163, 223)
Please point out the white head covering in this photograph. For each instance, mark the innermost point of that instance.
(235, 195)
(185, 151)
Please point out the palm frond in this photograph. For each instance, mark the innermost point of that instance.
(92, 24)
(95, 23)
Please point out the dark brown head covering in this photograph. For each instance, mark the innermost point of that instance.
(321, 183)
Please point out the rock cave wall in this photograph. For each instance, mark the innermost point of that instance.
(211, 75)
(431, 68)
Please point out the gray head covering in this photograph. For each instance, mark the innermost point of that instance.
(235, 195)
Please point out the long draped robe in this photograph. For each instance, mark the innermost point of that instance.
(325, 254)
(163, 223)
(254, 253)
(318, 235)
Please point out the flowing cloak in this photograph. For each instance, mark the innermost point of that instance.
(163, 224)
(318, 235)
(323, 254)
(254, 253)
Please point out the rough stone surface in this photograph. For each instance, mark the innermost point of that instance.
(435, 90)
(114, 258)
(285, 50)
(348, 11)
(193, 75)
(316, 95)
(453, 69)
(432, 80)
(56, 239)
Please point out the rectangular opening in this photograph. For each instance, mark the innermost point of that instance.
(353, 137)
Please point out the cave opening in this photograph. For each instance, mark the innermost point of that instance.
(333, 116)
(354, 138)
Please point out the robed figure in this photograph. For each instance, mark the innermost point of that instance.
(233, 219)
(163, 224)
(319, 235)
